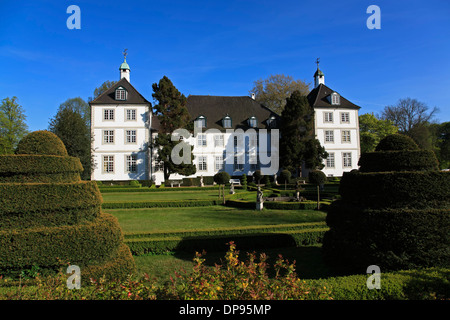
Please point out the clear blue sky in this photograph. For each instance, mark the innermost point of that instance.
(221, 47)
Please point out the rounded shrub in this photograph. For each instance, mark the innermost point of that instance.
(395, 142)
(222, 178)
(317, 177)
(41, 142)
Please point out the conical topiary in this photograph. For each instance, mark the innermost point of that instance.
(48, 215)
(393, 211)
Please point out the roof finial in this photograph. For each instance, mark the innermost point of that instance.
(317, 61)
(125, 54)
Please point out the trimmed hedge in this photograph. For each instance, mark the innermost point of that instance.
(39, 168)
(143, 246)
(144, 189)
(41, 142)
(398, 161)
(159, 204)
(279, 205)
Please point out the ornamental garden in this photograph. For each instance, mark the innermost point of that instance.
(313, 239)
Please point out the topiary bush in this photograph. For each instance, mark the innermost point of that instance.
(52, 216)
(393, 211)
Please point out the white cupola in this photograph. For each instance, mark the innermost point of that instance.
(319, 77)
(124, 67)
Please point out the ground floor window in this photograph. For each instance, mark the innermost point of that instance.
(131, 163)
(330, 160)
(202, 163)
(108, 164)
(218, 164)
(347, 159)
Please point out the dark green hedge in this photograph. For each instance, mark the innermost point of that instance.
(159, 204)
(279, 205)
(82, 244)
(144, 189)
(420, 189)
(416, 160)
(41, 142)
(39, 168)
(143, 246)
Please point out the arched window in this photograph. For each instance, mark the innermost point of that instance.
(226, 122)
(121, 93)
(335, 98)
(200, 122)
(252, 122)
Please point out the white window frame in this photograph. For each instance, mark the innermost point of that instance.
(335, 99)
(328, 117)
(108, 163)
(218, 163)
(202, 140)
(120, 94)
(202, 163)
(329, 136)
(131, 163)
(108, 114)
(347, 159)
(159, 166)
(227, 123)
(346, 136)
(130, 114)
(130, 136)
(330, 161)
(218, 140)
(345, 117)
(108, 136)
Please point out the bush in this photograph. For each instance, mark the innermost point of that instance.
(135, 183)
(158, 204)
(317, 177)
(417, 160)
(396, 142)
(41, 142)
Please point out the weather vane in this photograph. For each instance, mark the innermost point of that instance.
(317, 61)
(125, 53)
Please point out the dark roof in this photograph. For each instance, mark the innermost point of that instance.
(156, 125)
(133, 96)
(319, 97)
(239, 108)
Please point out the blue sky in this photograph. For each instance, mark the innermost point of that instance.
(222, 47)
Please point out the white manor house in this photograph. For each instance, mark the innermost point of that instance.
(123, 126)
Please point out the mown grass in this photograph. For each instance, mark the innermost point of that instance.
(156, 196)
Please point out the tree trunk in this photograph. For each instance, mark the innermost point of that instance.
(318, 198)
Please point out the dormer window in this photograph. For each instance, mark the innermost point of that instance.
(200, 122)
(226, 121)
(121, 93)
(335, 98)
(272, 122)
(252, 122)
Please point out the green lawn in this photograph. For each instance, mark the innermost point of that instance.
(156, 196)
(171, 219)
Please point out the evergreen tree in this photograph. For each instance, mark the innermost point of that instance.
(12, 125)
(170, 107)
(69, 125)
(298, 144)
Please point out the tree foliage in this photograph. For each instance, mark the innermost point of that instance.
(372, 130)
(273, 91)
(101, 89)
(170, 107)
(70, 126)
(12, 125)
(298, 144)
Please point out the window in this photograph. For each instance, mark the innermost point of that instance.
(131, 162)
(200, 122)
(330, 160)
(108, 164)
(131, 114)
(253, 122)
(271, 122)
(345, 117)
(253, 160)
(159, 166)
(108, 114)
(238, 166)
(108, 136)
(347, 159)
(121, 93)
(130, 136)
(218, 140)
(335, 98)
(345, 135)
(328, 116)
(329, 136)
(226, 122)
(253, 141)
(201, 140)
(218, 164)
(202, 164)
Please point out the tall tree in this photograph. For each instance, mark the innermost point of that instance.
(102, 88)
(273, 91)
(412, 118)
(170, 108)
(69, 125)
(298, 144)
(80, 106)
(372, 130)
(12, 125)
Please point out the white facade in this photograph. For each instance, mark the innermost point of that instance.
(337, 129)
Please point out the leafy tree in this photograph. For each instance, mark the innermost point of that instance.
(412, 118)
(69, 125)
(298, 144)
(441, 143)
(170, 107)
(273, 91)
(102, 88)
(285, 175)
(372, 130)
(244, 181)
(12, 125)
(257, 176)
(317, 178)
(80, 106)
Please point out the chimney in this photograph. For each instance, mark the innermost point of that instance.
(253, 95)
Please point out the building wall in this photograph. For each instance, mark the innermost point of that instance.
(338, 146)
(120, 147)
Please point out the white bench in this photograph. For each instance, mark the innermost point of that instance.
(172, 182)
(235, 181)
